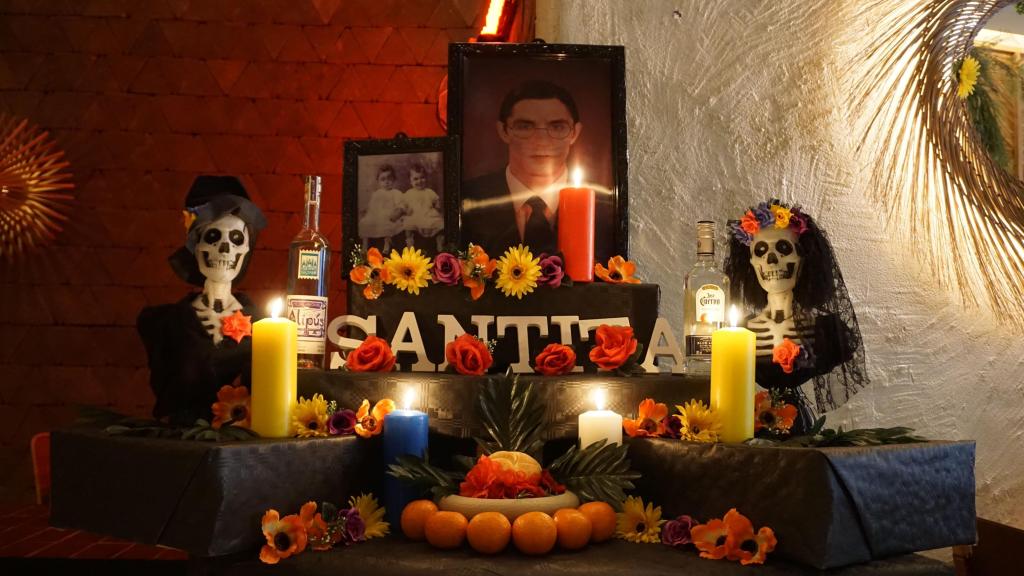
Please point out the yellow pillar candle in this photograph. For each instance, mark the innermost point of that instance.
(732, 380)
(274, 355)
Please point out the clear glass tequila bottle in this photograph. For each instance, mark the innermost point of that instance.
(309, 265)
(705, 293)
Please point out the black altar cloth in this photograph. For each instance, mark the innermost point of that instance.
(828, 507)
(450, 399)
(396, 556)
(201, 497)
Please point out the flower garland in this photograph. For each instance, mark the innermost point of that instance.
(317, 417)
(516, 273)
(771, 214)
(694, 422)
(289, 536)
(731, 537)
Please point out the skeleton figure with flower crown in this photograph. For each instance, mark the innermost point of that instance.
(783, 270)
(203, 341)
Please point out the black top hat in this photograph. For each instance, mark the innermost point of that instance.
(210, 198)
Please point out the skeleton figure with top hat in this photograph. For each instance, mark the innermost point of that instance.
(203, 341)
(782, 268)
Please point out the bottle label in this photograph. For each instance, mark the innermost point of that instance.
(698, 346)
(710, 304)
(310, 314)
(309, 265)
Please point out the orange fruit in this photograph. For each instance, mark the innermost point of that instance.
(602, 519)
(573, 527)
(414, 518)
(489, 532)
(534, 533)
(446, 529)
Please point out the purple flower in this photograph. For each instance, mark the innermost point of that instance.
(764, 215)
(740, 233)
(343, 423)
(551, 271)
(353, 529)
(673, 426)
(447, 269)
(798, 223)
(677, 532)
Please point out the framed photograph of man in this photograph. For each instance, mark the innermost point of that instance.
(528, 115)
(400, 192)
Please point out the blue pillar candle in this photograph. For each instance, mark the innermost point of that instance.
(405, 432)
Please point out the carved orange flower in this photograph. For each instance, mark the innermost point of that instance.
(236, 326)
(371, 422)
(650, 421)
(232, 404)
(619, 271)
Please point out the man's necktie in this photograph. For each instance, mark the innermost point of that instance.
(538, 233)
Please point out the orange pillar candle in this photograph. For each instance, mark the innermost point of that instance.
(576, 229)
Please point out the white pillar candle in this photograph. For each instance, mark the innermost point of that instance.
(600, 424)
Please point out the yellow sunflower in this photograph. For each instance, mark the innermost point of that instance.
(309, 417)
(639, 524)
(968, 77)
(518, 272)
(410, 270)
(700, 423)
(371, 514)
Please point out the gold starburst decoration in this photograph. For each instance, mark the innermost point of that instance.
(33, 187)
(942, 191)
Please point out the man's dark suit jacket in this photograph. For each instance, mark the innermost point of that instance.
(493, 226)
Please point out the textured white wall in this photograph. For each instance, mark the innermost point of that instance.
(733, 101)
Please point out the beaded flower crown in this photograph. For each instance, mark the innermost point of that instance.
(771, 214)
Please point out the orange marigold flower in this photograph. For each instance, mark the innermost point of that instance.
(619, 271)
(236, 326)
(285, 536)
(710, 539)
(785, 355)
(650, 421)
(232, 404)
(742, 543)
(371, 423)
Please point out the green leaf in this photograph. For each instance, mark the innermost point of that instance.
(819, 436)
(598, 472)
(512, 413)
(417, 472)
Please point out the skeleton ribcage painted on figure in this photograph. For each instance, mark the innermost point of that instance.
(770, 334)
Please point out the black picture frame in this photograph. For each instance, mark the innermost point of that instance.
(405, 151)
(495, 64)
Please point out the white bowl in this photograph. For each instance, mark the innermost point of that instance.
(511, 508)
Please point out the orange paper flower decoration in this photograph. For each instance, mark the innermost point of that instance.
(236, 326)
(232, 404)
(490, 479)
(785, 355)
(650, 422)
(371, 423)
(374, 275)
(619, 271)
(285, 537)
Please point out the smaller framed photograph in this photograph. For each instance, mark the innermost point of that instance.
(400, 192)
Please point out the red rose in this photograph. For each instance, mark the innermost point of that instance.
(373, 355)
(615, 344)
(554, 360)
(785, 355)
(469, 355)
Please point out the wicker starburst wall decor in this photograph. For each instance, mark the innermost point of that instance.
(34, 187)
(943, 192)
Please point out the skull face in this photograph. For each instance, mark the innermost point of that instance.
(222, 247)
(774, 257)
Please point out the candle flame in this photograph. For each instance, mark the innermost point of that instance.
(275, 307)
(408, 397)
(494, 11)
(577, 177)
(734, 316)
(599, 396)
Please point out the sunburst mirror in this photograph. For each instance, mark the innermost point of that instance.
(34, 186)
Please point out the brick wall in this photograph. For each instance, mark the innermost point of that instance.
(143, 96)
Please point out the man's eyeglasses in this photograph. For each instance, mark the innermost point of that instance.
(524, 130)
